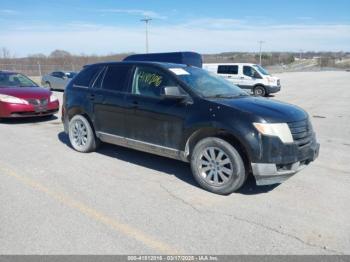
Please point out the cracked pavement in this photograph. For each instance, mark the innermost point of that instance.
(54, 200)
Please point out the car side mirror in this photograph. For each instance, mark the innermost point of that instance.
(173, 92)
(257, 76)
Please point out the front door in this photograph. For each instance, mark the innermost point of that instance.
(154, 120)
(249, 77)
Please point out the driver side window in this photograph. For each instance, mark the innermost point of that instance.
(251, 72)
(148, 81)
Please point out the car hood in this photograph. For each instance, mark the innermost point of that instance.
(26, 92)
(271, 111)
(274, 77)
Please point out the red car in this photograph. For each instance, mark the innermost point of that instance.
(21, 97)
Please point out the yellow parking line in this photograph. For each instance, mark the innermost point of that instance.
(93, 213)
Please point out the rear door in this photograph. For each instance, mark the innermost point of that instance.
(58, 80)
(110, 108)
(230, 72)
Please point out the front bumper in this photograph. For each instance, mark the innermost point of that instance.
(272, 89)
(8, 110)
(292, 160)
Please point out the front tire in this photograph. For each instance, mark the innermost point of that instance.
(217, 166)
(259, 91)
(81, 135)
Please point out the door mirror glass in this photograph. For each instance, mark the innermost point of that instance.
(173, 92)
(256, 75)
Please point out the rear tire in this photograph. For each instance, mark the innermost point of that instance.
(259, 91)
(217, 166)
(81, 135)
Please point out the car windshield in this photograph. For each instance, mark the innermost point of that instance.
(71, 74)
(15, 80)
(208, 84)
(261, 70)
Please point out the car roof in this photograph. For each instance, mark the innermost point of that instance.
(161, 64)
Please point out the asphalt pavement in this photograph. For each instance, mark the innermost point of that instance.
(54, 200)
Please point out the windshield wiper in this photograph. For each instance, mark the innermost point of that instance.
(220, 96)
(226, 96)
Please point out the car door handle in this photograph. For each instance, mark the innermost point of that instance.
(91, 96)
(134, 104)
(242, 77)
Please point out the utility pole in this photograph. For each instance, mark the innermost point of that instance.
(146, 20)
(39, 68)
(260, 49)
(301, 54)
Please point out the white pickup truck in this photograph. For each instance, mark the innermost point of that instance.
(247, 76)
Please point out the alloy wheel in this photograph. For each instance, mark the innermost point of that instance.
(79, 133)
(215, 166)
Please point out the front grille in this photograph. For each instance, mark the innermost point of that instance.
(301, 132)
(38, 102)
(29, 114)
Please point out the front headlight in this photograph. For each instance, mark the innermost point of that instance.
(280, 130)
(12, 100)
(53, 98)
(271, 80)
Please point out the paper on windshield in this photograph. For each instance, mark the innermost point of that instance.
(179, 71)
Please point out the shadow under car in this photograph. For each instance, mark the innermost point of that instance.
(169, 166)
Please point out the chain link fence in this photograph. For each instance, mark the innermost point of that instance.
(38, 69)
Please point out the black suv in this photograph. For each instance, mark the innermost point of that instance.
(186, 113)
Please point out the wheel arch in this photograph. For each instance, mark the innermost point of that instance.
(260, 85)
(79, 111)
(234, 140)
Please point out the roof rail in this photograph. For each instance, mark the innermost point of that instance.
(186, 58)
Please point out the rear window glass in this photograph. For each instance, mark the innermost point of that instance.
(228, 69)
(85, 77)
(116, 78)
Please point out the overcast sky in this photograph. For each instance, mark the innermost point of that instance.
(102, 27)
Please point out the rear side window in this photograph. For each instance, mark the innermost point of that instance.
(85, 77)
(97, 82)
(116, 78)
(57, 74)
(228, 69)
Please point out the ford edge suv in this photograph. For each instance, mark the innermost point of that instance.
(186, 113)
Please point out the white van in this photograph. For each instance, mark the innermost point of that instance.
(247, 76)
